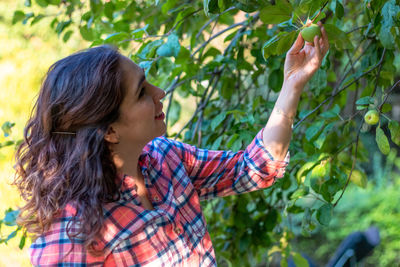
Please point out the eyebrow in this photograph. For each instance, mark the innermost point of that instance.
(142, 78)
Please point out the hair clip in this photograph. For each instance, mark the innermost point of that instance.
(68, 133)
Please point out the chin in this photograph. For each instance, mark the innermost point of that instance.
(161, 131)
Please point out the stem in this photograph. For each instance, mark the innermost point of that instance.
(320, 10)
(352, 166)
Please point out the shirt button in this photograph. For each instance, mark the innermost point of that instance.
(156, 198)
(177, 230)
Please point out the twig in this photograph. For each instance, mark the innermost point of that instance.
(356, 29)
(338, 92)
(320, 10)
(211, 20)
(216, 35)
(352, 166)
(387, 95)
(379, 73)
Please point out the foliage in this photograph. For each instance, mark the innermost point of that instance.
(358, 210)
(229, 55)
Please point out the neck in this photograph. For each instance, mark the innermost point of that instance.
(126, 160)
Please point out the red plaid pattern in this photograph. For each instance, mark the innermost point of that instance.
(177, 176)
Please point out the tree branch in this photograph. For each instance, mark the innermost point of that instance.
(339, 91)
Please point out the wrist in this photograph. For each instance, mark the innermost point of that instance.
(293, 86)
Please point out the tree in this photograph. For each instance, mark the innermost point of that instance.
(228, 55)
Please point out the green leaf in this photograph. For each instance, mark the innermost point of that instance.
(301, 192)
(324, 214)
(22, 241)
(37, 19)
(146, 65)
(309, 6)
(275, 80)
(389, 11)
(109, 9)
(313, 129)
(339, 10)
(147, 49)
(365, 100)
(174, 112)
(86, 33)
(28, 3)
(67, 35)
(7, 143)
(11, 217)
(394, 128)
(387, 107)
(318, 81)
(332, 113)
(62, 25)
(27, 17)
(115, 38)
(12, 235)
(18, 16)
(96, 7)
(6, 127)
(210, 6)
(299, 260)
(382, 141)
(273, 14)
(217, 143)
(278, 44)
(338, 37)
(138, 33)
(237, 145)
(42, 3)
(247, 5)
(170, 48)
(359, 178)
(218, 120)
(322, 137)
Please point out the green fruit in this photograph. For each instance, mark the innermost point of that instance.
(372, 117)
(309, 32)
(344, 157)
(359, 178)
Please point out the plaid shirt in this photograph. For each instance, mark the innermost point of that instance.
(177, 176)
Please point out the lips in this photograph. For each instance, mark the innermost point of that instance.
(160, 116)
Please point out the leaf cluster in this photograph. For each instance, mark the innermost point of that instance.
(228, 55)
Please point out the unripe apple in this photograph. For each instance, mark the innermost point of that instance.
(344, 157)
(309, 32)
(372, 117)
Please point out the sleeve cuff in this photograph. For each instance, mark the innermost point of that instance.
(262, 162)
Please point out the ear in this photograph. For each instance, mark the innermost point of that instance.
(111, 136)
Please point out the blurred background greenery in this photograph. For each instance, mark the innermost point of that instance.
(27, 52)
(25, 55)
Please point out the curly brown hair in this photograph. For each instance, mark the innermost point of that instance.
(81, 95)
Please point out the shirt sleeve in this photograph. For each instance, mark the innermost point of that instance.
(220, 173)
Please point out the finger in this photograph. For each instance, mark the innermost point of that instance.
(317, 47)
(324, 40)
(298, 44)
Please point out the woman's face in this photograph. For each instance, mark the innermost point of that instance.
(141, 116)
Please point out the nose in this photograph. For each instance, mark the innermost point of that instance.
(158, 94)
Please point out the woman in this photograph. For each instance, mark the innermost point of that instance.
(103, 187)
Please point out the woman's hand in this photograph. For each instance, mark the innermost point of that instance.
(302, 62)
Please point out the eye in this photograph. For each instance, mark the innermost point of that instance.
(141, 93)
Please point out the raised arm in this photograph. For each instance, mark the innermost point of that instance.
(302, 61)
